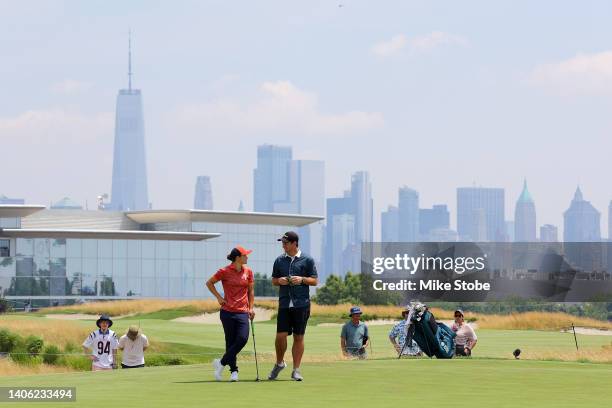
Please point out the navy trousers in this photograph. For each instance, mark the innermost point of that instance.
(236, 328)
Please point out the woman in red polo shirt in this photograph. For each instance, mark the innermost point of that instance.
(236, 307)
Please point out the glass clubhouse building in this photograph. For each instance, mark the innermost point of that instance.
(49, 256)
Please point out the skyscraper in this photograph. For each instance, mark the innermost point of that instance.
(339, 223)
(389, 225)
(408, 208)
(342, 228)
(355, 208)
(480, 214)
(306, 195)
(283, 185)
(433, 219)
(129, 189)
(271, 177)
(203, 194)
(548, 233)
(581, 221)
(362, 206)
(510, 230)
(610, 223)
(525, 217)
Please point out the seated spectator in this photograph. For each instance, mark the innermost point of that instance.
(397, 336)
(354, 336)
(466, 337)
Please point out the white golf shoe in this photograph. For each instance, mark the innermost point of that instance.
(218, 367)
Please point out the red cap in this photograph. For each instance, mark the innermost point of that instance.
(244, 251)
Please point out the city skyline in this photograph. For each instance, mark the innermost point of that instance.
(377, 99)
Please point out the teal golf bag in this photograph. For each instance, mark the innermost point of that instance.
(434, 338)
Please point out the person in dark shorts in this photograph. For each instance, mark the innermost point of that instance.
(294, 272)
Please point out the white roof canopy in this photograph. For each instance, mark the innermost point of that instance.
(233, 217)
(18, 210)
(106, 234)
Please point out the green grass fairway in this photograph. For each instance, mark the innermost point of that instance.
(325, 341)
(375, 383)
(491, 378)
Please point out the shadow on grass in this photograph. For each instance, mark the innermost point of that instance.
(229, 382)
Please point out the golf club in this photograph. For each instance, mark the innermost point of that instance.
(402, 350)
(255, 349)
(575, 339)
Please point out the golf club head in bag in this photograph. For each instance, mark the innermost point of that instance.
(434, 338)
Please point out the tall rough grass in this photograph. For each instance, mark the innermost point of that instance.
(538, 320)
(127, 307)
(52, 331)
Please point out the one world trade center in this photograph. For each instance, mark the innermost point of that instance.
(129, 190)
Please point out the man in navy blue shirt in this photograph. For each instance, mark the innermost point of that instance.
(294, 272)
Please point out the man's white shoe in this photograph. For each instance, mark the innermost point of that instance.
(234, 376)
(218, 367)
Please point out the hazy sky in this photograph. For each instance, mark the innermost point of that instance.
(428, 94)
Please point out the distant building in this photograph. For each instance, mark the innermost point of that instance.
(66, 204)
(430, 219)
(6, 200)
(306, 195)
(481, 214)
(510, 231)
(358, 204)
(129, 186)
(271, 177)
(610, 224)
(389, 224)
(342, 232)
(479, 225)
(549, 233)
(97, 255)
(525, 217)
(442, 235)
(362, 206)
(339, 222)
(284, 185)
(581, 221)
(408, 208)
(203, 199)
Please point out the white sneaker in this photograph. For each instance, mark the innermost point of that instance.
(234, 376)
(296, 375)
(218, 367)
